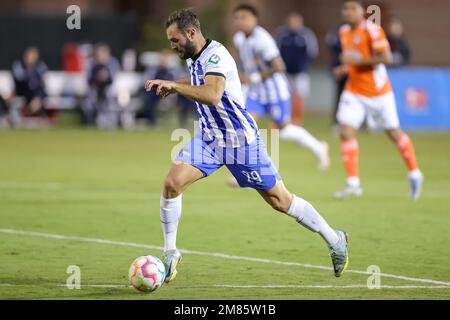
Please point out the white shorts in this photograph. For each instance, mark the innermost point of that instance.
(381, 111)
(300, 84)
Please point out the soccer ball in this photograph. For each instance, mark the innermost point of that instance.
(147, 273)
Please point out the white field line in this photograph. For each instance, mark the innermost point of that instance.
(30, 185)
(326, 286)
(210, 254)
(251, 286)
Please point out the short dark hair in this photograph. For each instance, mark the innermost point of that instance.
(184, 18)
(246, 7)
(360, 2)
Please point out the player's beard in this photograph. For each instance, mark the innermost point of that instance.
(188, 50)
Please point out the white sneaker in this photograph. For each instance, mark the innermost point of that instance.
(349, 192)
(324, 157)
(171, 258)
(416, 182)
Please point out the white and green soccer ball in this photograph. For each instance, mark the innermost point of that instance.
(147, 273)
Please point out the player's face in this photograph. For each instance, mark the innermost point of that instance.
(31, 56)
(245, 21)
(102, 55)
(181, 42)
(352, 12)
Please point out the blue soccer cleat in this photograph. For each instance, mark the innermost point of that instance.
(171, 258)
(339, 253)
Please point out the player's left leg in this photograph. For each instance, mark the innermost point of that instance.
(299, 84)
(350, 116)
(281, 116)
(383, 113)
(406, 149)
(257, 171)
(255, 108)
(298, 109)
(304, 213)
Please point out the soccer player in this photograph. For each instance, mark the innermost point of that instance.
(298, 47)
(268, 91)
(228, 136)
(368, 92)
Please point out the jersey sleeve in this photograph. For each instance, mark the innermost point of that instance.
(312, 45)
(343, 30)
(379, 41)
(237, 39)
(216, 64)
(267, 47)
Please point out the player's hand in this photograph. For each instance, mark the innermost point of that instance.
(351, 58)
(244, 79)
(163, 87)
(340, 71)
(35, 104)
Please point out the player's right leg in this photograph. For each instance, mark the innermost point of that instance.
(180, 176)
(351, 114)
(195, 161)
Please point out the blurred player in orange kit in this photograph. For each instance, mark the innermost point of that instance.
(368, 93)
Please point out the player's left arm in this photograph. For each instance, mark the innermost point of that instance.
(269, 52)
(382, 57)
(209, 94)
(276, 65)
(379, 45)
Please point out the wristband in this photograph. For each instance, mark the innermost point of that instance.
(255, 77)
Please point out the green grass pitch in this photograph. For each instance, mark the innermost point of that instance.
(106, 185)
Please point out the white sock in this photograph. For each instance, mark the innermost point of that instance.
(306, 215)
(353, 182)
(415, 174)
(302, 137)
(170, 213)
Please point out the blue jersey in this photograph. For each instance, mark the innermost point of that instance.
(228, 122)
(298, 49)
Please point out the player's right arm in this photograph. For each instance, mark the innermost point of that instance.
(208, 94)
(184, 80)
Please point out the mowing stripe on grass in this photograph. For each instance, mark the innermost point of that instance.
(210, 254)
(250, 286)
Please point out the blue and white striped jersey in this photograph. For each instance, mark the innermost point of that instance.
(256, 51)
(228, 122)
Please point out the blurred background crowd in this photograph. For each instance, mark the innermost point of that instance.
(97, 72)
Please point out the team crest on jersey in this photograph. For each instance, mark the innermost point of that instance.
(356, 39)
(214, 59)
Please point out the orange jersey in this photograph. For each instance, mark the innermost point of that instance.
(365, 40)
